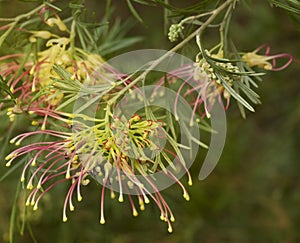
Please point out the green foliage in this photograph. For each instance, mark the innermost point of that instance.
(292, 6)
(251, 197)
(6, 90)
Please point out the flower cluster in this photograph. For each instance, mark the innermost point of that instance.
(201, 84)
(213, 78)
(263, 61)
(174, 32)
(124, 155)
(30, 77)
(110, 151)
(121, 155)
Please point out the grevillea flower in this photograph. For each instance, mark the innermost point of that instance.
(30, 76)
(200, 86)
(116, 153)
(263, 61)
(34, 86)
(121, 155)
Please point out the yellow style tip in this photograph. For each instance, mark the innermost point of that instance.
(34, 123)
(135, 213)
(147, 201)
(8, 164)
(186, 196)
(8, 157)
(121, 199)
(112, 195)
(29, 187)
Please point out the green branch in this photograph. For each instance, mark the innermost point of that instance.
(16, 21)
(197, 32)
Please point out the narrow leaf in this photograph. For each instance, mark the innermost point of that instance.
(134, 12)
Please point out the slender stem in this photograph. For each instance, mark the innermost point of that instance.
(197, 32)
(166, 19)
(4, 36)
(191, 18)
(16, 20)
(22, 16)
(72, 37)
(7, 19)
(223, 30)
(14, 213)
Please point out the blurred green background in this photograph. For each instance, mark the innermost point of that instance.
(254, 193)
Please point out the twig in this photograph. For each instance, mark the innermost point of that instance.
(197, 32)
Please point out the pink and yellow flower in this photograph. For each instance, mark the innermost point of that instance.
(111, 152)
(266, 61)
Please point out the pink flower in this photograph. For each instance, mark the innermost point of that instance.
(99, 151)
